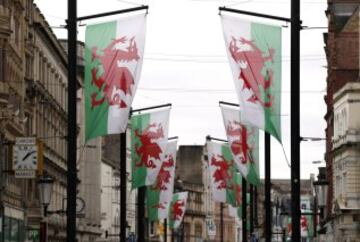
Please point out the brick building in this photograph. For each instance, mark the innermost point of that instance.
(342, 51)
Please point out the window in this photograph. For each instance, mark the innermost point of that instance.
(342, 12)
(337, 186)
(344, 185)
(198, 232)
(17, 31)
(28, 67)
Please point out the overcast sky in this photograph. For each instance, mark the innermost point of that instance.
(185, 64)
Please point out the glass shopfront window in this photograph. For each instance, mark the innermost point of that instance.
(14, 230)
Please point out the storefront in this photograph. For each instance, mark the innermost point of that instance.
(13, 226)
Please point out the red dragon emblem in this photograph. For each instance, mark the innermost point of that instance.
(221, 174)
(251, 64)
(178, 209)
(115, 77)
(303, 222)
(149, 149)
(240, 145)
(164, 175)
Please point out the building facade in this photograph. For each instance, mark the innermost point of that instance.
(342, 51)
(110, 189)
(346, 154)
(194, 227)
(33, 103)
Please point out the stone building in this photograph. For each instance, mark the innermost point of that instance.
(281, 206)
(189, 170)
(346, 157)
(342, 51)
(110, 189)
(33, 103)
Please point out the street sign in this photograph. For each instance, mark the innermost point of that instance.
(25, 173)
(33, 235)
(211, 227)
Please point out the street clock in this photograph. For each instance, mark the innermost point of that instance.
(25, 157)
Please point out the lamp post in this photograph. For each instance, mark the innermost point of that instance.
(46, 187)
(321, 190)
(127, 230)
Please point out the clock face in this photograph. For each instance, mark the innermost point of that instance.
(25, 157)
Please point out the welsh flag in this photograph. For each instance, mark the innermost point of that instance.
(225, 178)
(113, 60)
(254, 52)
(149, 134)
(177, 209)
(159, 194)
(244, 144)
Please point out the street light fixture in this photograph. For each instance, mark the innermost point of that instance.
(321, 190)
(127, 230)
(46, 187)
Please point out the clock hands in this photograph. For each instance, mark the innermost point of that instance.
(28, 154)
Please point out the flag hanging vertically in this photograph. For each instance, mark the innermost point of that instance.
(159, 194)
(225, 178)
(113, 60)
(177, 209)
(149, 134)
(254, 53)
(244, 144)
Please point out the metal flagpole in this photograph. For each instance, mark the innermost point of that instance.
(243, 215)
(221, 222)
(123, 181)
(267, 188)
(141, 214)
(251, 190)
(165, 230)
(295, 119)
(72, 125)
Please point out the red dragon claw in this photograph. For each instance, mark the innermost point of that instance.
(97, 81)
(95, 102)
(94, 54)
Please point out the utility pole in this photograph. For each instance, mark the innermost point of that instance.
(221, 222)
(72, 125)
(295, 119)
(244, 205)
(123, 181)
(267, 188)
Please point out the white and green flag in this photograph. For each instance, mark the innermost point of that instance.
(177, 209)
(244, 144)
(149, 134)
(225, 178)
(254, 53)
(159, 194)
(113, 60)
